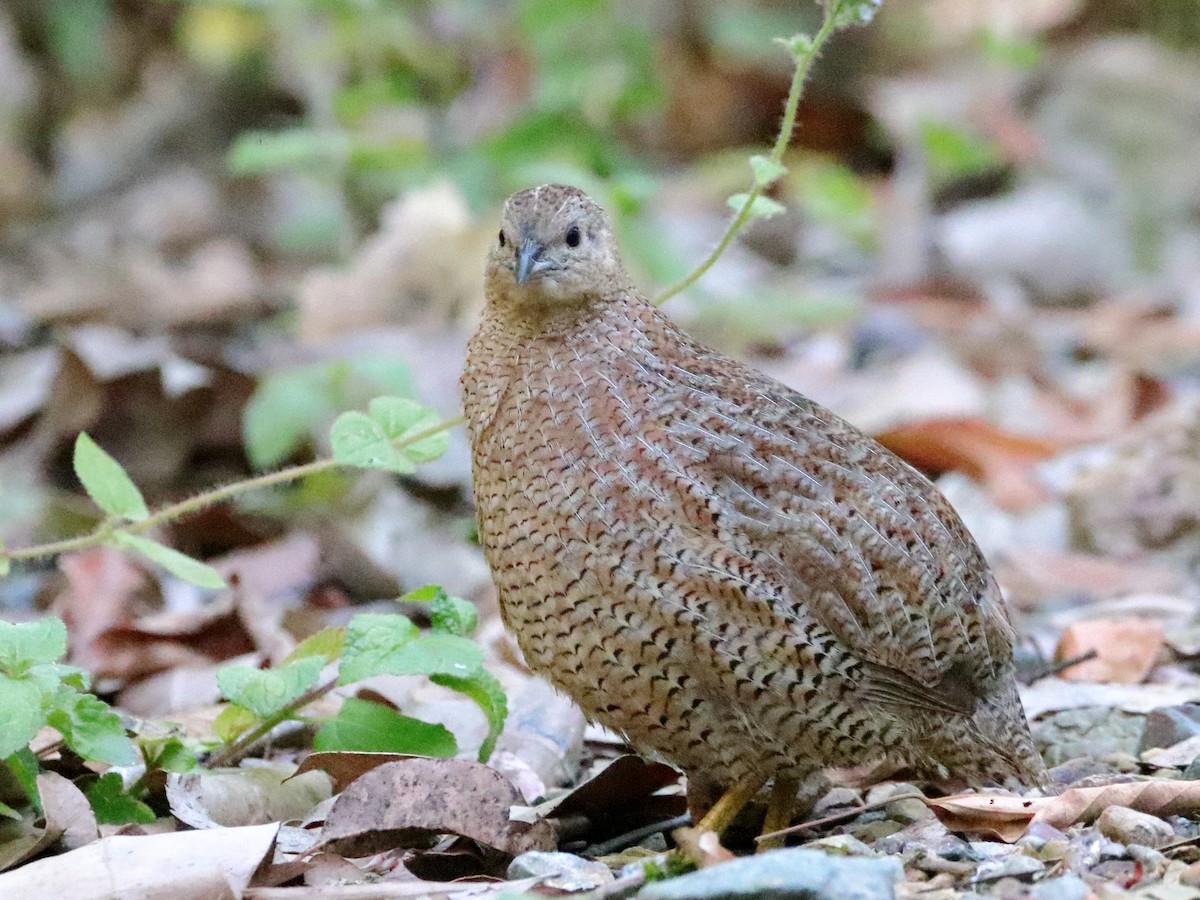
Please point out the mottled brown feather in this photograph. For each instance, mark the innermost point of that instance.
(705, 560)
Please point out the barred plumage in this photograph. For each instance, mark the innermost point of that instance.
(705, 560)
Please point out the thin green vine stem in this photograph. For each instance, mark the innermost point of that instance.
(106, 529)
(233, 753)
(804, 61)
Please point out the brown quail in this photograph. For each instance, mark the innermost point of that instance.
(709, 563)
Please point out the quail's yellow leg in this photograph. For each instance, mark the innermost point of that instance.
(732, 802)
(780, 805)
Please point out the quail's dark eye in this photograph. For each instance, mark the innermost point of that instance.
(573, 236)
(503, 239)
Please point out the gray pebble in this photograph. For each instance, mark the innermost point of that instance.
(1128, 826)
(792, 874)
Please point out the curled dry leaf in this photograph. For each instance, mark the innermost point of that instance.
(1007, 816)
(343, 766)
(1126, 649)
(408, 802)
(1000, 459)
(623, 797)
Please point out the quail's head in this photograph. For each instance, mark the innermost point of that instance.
(555, 247)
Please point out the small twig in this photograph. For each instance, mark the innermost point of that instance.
(838, 817)
(106, 529)
(629, 838)
(1054, 668)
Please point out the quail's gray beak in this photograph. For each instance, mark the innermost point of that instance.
(529, 260)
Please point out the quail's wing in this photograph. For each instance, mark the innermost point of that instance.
(856, 536)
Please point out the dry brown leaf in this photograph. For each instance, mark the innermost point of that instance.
(1000, 459)
(410, 801)
(1007, 816)
(184, 865)
(623, 797)
(67, 810)
(343, 766)
(104, 589)
(1126, 649)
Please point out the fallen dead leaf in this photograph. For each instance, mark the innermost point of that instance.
(249, 796)
(1000, 459)
(344, 766)
(1126, 649)
(1007, 816)
(67, 810)
(410, 801)
(623, 797)
(214, 864)
(104, 589)
(1180, 754)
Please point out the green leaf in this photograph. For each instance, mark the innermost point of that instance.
(21, 714)
(25, 768)
(761, 208)
(113, 805)
(9, 813)
(358, 440)
(766, 171)
(283, 413)
(402, 419)
(106, 482)
(266, 692)
(178, 564)
(372, 375)
(364, 726)
(169, 754)
(371, 640)
(424, 594)
(956, 152)
(484, 688)
(258, 152)
(453, 615)
(232, 722)
(91, 728)
(29, 643)
(326, 643)
(436, 654)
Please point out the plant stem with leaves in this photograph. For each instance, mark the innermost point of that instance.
(769, 169)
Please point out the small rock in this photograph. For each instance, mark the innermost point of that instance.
(1073, 770)
(1168, 725)
(1066, 887)
(873, 831)
(881, 792)
(841, 845)
(908, 810)
(793, 874)
(561, 871)
(1017, 865)
(836, 799)
(1191, 875)
(1128, 826)
(1122, 762)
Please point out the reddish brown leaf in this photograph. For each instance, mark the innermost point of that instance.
(1000, 459)
(1126, 649)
